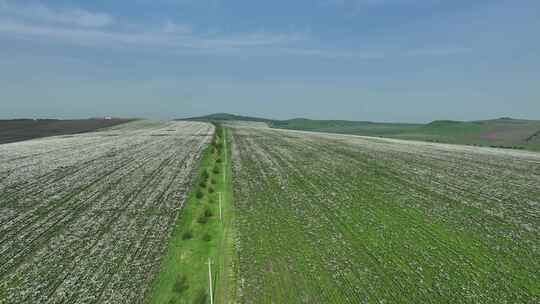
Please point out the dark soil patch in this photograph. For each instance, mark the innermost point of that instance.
(24, 129)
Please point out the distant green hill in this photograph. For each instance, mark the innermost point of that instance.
(228, 117)
(502, 133)
(344, 126)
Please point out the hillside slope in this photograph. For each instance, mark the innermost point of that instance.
(345, 127)
(228, 117)
(501, 133)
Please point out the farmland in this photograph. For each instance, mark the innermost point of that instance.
(134, 213)
(14, 130)
(505, 132)
(85, 218)
(203, 234)
(345, 219)
(502, 133)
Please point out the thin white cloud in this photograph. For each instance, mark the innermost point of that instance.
(172, 28)
(68, 16)
(207, 4)
(377, 54)
(258, 43)
(438, 51)
(345, 3)
(77, 26)
(335, 54)
(362, 3)
(155, 39)
(173, 37)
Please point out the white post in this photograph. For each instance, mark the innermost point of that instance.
(220, 217)
(210, 281)
(225, 162)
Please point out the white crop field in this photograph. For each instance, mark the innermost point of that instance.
(85, 218)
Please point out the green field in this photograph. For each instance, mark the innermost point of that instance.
(501, 133)
(340, 219)
(345, 127)
(202, 235)
(131, 214)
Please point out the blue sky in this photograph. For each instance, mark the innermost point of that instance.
(379, 60)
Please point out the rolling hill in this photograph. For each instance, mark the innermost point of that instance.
(501, 133)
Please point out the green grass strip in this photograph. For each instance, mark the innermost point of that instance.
(200, 235)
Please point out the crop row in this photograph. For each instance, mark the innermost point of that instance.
(85, 218)
(344, 219)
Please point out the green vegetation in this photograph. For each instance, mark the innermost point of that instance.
(180, 285)
(200, 235)
(499, 133)
(344, 127)
(187, 235)
(199, 195)
(207, 237)
(201, 297)
(318, 218)
(221, 117)
(338, 219)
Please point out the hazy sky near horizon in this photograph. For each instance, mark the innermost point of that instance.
(378, 60)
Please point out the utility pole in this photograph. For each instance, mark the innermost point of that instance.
(220, 217)
(225, 162)
(210, 281)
